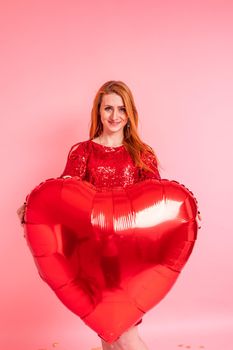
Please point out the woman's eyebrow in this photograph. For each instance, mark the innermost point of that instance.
(112, 106)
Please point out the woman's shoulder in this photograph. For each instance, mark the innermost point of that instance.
(147, 151)
(80, 147)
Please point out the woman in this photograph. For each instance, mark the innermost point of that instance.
(113, 156)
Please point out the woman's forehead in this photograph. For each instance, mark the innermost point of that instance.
(112, 99)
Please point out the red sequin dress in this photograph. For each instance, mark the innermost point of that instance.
(106, 166)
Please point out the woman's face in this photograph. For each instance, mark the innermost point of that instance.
(113, 113)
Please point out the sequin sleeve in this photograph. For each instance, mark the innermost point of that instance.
(150, 160)
(76, 161)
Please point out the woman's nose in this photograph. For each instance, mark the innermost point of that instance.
(115, 114)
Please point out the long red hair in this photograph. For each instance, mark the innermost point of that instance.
(132, 142)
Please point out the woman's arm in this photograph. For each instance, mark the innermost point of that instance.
(150, 160)
(76, 164)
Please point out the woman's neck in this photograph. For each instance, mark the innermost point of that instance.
(112, 140)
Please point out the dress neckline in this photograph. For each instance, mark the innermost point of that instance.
(98, 144)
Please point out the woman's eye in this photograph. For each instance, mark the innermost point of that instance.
(121, 109)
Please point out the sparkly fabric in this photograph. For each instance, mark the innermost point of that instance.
(105, 166)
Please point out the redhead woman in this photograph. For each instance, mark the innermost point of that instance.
(114, 155)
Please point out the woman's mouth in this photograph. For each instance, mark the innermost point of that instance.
(114, 123)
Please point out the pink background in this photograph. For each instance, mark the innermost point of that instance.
(177, 58)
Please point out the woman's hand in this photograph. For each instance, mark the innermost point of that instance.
(198, 218)
(21, 212)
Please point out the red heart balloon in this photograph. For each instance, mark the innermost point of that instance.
(110, 255)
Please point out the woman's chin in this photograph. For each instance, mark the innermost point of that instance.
(116, 128)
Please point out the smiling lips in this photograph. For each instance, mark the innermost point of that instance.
(114, 123)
